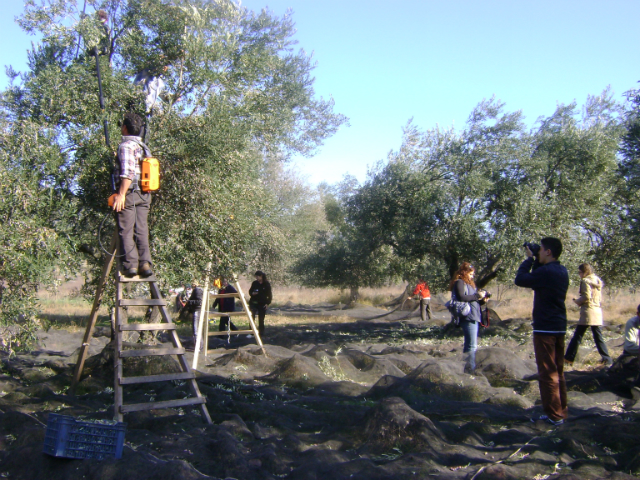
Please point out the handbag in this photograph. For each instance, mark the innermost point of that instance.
(457, 308)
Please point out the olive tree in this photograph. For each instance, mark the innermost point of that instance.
(238, 94)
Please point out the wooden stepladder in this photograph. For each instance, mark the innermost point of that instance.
(205, 315)
(122, 326)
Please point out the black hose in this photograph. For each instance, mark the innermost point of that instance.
(100, 237)
(101, 97)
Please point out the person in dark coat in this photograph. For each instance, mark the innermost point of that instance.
(259, 299)
(195, 304)
(549, 280)
(226, 305)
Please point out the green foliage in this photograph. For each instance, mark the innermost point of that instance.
(341, 257)
(238, 98)
(619, 244)
(476, 195)
(35, 222)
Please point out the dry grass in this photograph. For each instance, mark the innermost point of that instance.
(66, 307)
(617, 305)
(314, 296)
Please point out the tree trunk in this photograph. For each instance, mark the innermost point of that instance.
(354, 294)
(489, 272)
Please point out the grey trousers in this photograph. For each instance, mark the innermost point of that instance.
(425, 309)
(133, 230)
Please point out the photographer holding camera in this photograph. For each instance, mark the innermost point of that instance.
(543, 273)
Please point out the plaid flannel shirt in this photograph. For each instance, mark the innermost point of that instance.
(130, 155)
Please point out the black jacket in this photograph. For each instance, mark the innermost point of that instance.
(226, 304)
(260, 293)
(195, 300)
(550, 283)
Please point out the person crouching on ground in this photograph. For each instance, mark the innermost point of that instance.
(550, 281)
(463, 286)
(259, 299)
(130, 203)
(630, 359)
(590, 315)
(424, 294)
(631, 336)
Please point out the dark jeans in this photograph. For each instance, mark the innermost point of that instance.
(259, 311)
(576, 340)
(225, 322)
(425, 309)
(133, 230)
(549, 350)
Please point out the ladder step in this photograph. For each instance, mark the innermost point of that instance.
(158, 378)
(227, 314)
(225, 295)
(142, 302)
(151, 352)
(183, 402)
(147, 326)
(135, 278)
(232, 332)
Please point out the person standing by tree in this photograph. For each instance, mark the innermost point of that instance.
(225, 305)
(590, 315)
(424, 294)
(195, 304)
(260, 298)
(464, 289)
(550, 281)
(131, 204)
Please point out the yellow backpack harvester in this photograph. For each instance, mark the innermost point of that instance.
(149, 171)
(150, 174)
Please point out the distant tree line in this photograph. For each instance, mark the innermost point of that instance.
(478, 194)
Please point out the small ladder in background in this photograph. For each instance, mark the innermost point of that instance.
(122, 326)
(205, 316)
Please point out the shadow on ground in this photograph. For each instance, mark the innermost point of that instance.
(378, 399)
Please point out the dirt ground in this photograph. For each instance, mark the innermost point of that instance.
(379, 397)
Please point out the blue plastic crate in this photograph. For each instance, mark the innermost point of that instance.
(70, 438)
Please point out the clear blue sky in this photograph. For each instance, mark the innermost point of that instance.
(385, 62)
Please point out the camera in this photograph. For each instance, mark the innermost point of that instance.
(534, 247)
(487, 295)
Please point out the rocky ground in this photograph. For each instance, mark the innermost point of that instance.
(377, 398)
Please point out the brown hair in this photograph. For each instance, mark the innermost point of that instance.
(464, 274)
(585, 268)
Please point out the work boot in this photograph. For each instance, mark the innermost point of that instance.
(145, 269)
(130, 272)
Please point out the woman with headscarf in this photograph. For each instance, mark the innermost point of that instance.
(590, 315)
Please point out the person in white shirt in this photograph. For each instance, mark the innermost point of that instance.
(631, 329)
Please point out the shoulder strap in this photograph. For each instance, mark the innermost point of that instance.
(147, 151)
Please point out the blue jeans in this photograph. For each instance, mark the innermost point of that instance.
(470, 332)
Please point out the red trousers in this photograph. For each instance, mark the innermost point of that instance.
(549, 350)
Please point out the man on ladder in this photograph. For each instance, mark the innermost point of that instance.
(130, 203)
